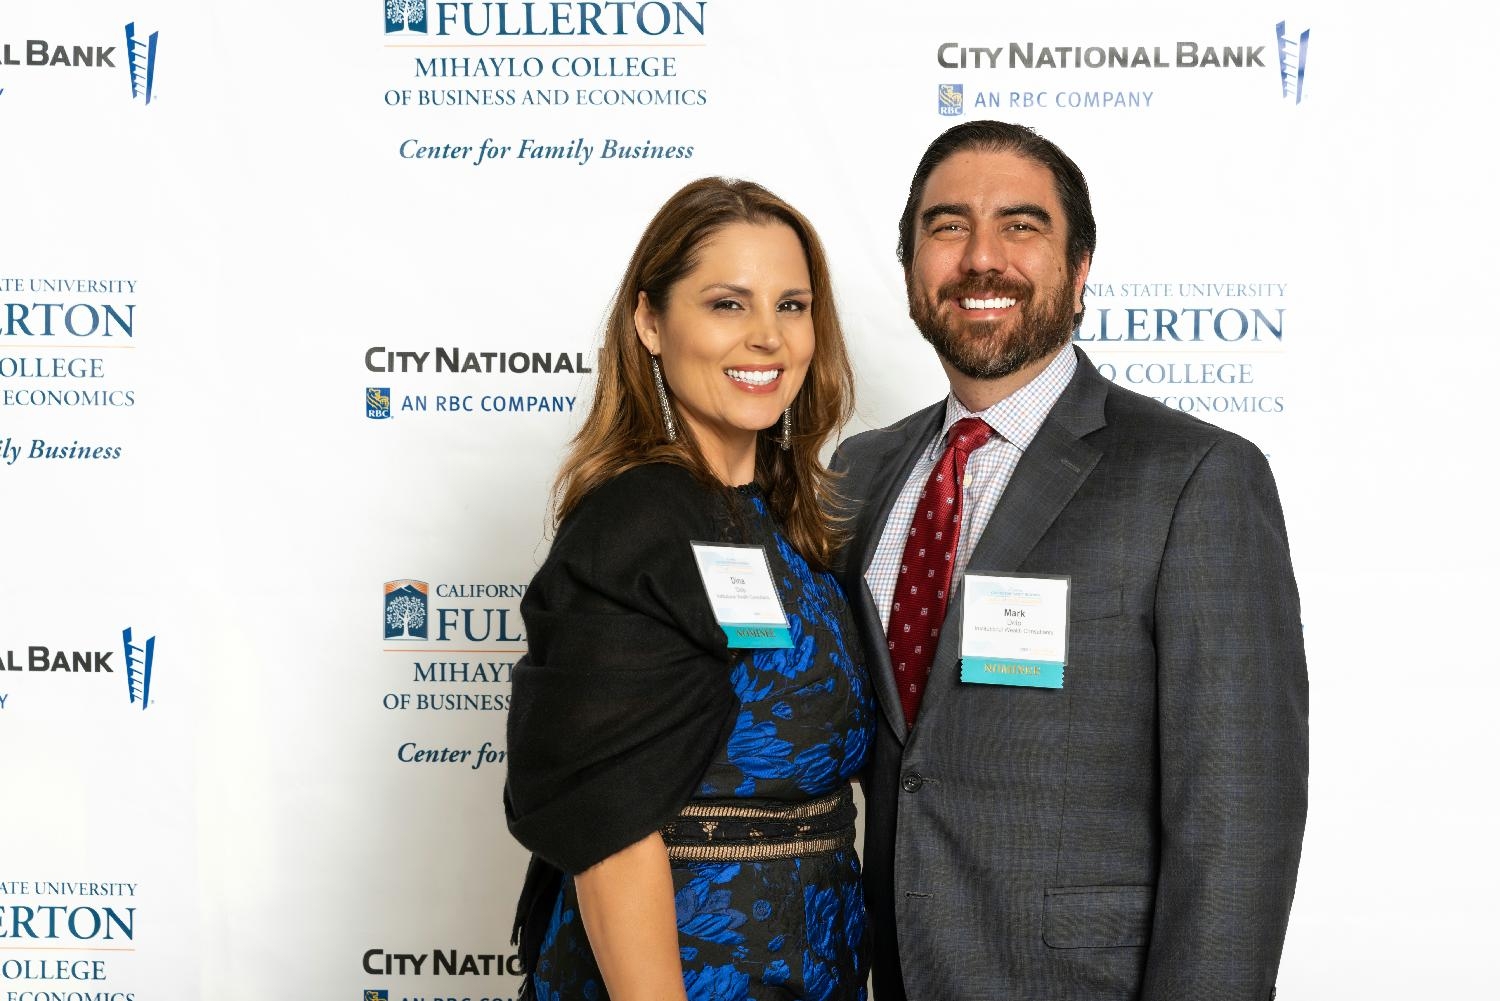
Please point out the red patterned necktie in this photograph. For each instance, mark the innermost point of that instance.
(922, 586)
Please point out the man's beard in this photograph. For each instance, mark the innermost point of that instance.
(977, 348)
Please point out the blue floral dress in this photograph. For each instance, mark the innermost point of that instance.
(781, 930)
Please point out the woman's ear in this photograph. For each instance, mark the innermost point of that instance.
(645, 324)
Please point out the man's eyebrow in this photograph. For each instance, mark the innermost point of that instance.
(1028, 209)
(945, 208)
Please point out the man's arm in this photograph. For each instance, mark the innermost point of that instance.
(1232, 713)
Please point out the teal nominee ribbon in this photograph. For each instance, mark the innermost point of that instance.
(1005, 671)
(757, 636)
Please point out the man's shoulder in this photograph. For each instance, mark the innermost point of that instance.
(1135, 414)
(867, 443)
(1149, 428)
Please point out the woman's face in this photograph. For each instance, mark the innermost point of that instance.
(736, 336)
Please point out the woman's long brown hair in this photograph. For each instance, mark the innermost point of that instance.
(625, 428)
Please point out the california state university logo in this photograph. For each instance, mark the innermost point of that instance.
(406, 610)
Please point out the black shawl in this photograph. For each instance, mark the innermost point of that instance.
(624, 695)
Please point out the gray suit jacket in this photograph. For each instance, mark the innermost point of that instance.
(1136, 833)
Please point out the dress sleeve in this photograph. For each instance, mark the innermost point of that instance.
(624, 695)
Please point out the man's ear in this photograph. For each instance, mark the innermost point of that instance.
(1078, 282)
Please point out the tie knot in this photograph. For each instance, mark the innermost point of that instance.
(968, 434)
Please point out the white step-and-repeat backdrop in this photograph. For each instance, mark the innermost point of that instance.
(299, 303)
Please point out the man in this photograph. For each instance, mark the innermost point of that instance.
(1121, 815)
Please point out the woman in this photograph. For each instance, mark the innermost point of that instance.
(687, 799)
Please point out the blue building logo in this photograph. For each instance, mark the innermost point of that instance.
(405, 16)
(406, 610)
(1292, 54)
(138, 658)
(950, 99)
(378, 402)
(142, 55)
(377, 995)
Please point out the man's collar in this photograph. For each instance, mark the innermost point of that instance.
(1019, 416)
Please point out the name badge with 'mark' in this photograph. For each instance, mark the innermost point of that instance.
(743, 595)
(1015, 630)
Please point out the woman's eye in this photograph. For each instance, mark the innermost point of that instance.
(793, 306)
(726, 304)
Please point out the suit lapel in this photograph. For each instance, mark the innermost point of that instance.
(886, 474)
(1050, 472)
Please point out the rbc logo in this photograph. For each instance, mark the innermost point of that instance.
(378, 403)
(1292, 54)
(950, 99)
(406, 610)
(405, 15)
(142, 56)
(377, 995)
(138, 658)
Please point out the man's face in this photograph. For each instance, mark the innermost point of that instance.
(989, 284)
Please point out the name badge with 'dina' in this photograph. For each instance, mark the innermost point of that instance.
(738, 582)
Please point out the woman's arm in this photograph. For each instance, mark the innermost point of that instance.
(631, 918)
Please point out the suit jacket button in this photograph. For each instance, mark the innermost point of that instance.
(911, 782)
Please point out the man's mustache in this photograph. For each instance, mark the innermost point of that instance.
(985, 287)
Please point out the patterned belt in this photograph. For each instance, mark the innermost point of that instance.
(750, 830)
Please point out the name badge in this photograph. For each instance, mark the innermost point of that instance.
(1015, 630)
(743, 596)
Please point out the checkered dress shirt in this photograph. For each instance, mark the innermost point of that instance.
(1016, 420)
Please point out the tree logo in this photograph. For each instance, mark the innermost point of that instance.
(406, 610)
(405, 16)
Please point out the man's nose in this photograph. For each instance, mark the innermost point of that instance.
(985, 251)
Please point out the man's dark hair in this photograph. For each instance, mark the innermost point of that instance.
(1003, 137)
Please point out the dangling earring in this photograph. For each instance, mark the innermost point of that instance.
(661, 395)
(786, 429)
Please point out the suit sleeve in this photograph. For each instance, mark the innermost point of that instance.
(1232, 714)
